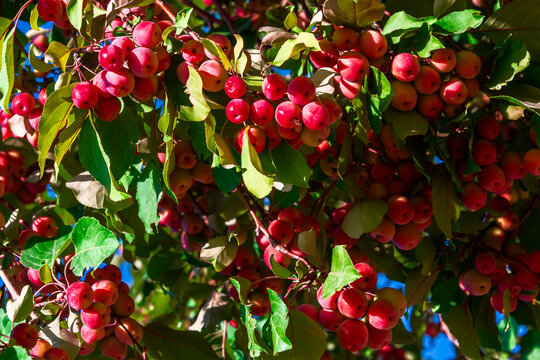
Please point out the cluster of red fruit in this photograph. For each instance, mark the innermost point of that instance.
(139, 78)
(360, 317)
(26, 115)
(302, 119)
(498, 170)
(351, 54)
(437, 94)
(17, 179)
(183, 217)
(104, 305)
(514, 271)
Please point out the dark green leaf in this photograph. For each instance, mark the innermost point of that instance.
(485, 325)
(401, 23)
(519, 18)
(529, 345)
(39, 251)
(221, 251)
(425, 252)
(512, 58)
(460, 324)
(308, 339)
(406, 124)
(15, 353)
(93, 244)
(148, 195)
(163, 342)
(243, 286)
(364, 216)
(441, 6)
(418, 286)
(291, 165)
(35, 62)
(342, 272)
(445, 201)
(425, 42)
(458, 22)
(118, 139)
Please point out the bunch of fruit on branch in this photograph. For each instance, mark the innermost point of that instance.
(288, 178)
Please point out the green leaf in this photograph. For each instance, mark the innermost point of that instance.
(226, 179)
(485, 325)
(55, 116)
(70, 133)
(200, 109)
(364, 216)
(293, 47)
(118, 139)
(425, 42)
(380, 89)
(19, 309)
(243, 286)
(215, 50)
(445, 201)
(400, 335)
(355, 13)
(34, 16)
(40, 251)
(279, 270)
(15, 353)
(291, 165)
(417, 286)
(406, 124)
(277, 323)
(35, 62)
(519, 18)
(308, 339)
(342, 272)
(93, 244)
(441, 6)
(523, 95)
(94, 159)
(512, 58)
(254, 177)
(250, 323)
(291, 20)
(74, 10)
(460, 324)
(458, 22)
(166, 125)
(182, 21)
(425, 252)
(7, 65)
(148, 195)
(58, 54)
(220, 250)
(529, 345)
(508, 334)
(163, 342)
(402, 23)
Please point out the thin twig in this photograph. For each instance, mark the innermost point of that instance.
(224, 15)
(275, 244)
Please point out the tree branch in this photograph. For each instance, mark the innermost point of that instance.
(224, 15)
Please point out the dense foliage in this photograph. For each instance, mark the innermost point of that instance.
(295, 180)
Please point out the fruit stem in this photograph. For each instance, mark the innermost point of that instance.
(277, 246)
(166, 10)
